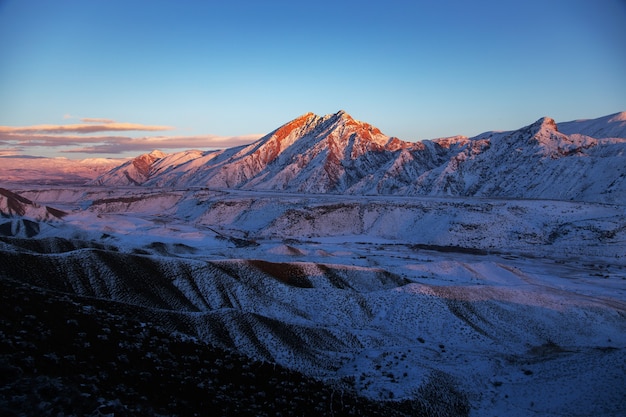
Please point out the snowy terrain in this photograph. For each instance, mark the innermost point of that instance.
(501, 292)
(518, 304)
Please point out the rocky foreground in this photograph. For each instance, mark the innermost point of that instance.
(64, 355)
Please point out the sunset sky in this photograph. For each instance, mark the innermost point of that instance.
(113, 78)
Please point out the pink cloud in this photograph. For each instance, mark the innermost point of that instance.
(96, 120)
(53, 140)
(120, 145)
(81, 138)
(10, 151)
(81, 128)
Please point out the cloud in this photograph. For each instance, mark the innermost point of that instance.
(96, 120)
(83, 138)
(12, 139)
(88, 119)
(18, 156)
(81, 128)
(121, 144)
(10, 152)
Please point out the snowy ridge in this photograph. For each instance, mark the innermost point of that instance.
(135, 171)
(22, 217)
(611, 126)
(337, 154)
(12, 204)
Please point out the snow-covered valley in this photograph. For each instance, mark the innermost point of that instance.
(512, 306)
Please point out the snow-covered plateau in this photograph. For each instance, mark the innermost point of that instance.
(476, 296)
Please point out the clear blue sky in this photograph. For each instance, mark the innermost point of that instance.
(219, 69)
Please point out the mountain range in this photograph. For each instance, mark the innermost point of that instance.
(324, 267)
(24, 169)
(580, 160)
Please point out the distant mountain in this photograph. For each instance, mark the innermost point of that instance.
(611, 126)
(536, 161)
(53, 171)
(135, 171)
(337, 154)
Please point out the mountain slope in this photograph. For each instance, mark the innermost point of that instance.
(12, 204)
(337, 154)
(93, 357)
(536, 161)
(135, 171)
(611, 126)
(22, 217)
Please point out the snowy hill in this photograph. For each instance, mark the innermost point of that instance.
(21, 217)
(12, 204)
(337, 154)
(53, 171)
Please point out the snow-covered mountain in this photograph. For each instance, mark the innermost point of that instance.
(53, 171)
(310, 153)
(337, 154)
(611, 126)
(135, 171)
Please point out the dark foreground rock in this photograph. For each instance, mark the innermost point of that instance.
(64, 355)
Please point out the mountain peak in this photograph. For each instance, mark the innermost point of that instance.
(143, 163)
(157, 154)
(294, 125)
(618, 117)
(342, 116)
(300, 124)
(546, 122)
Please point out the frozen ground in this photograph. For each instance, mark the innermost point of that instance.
(518, 304)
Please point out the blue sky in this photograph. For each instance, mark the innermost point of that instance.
(193, 74)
